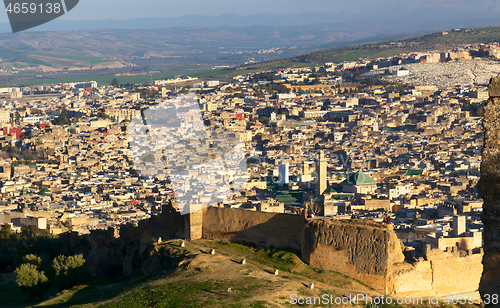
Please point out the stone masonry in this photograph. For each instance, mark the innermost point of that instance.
(489, 189)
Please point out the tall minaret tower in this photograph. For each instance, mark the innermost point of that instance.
(321, 182)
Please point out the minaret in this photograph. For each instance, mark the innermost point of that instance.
(283, 173)
(321, 182)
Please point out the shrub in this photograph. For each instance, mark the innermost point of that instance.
(33, 259)
(32, 281)
(69, 271)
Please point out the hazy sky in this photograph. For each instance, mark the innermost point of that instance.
(350, 9)
(127, 9)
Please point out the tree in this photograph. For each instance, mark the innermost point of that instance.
(61, 121)
(31, 280)
(17, 117)
(6, 234)
(311, 207)
(33, 259)
(115, 83)
(64, 113)
(69, 271)
(67, 224)
(32, 231)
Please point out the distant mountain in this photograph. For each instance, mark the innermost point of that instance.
(139, 51)
(226, 20)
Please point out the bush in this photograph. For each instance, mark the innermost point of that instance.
(31, 240)
(6, 234)
(33, 259)
(69, 271)
(32, 281)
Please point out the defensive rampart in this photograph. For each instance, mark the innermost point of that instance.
(489, 189)
(260, 228)
(441, 272)
(365, 250)
(360, 249)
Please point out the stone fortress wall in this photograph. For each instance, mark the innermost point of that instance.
(372, 253)
(360, 249)
(489, 189)
(259, 228)
(364, 250)
(439, 273)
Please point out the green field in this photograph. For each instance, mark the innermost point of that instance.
(22, 58)
(31, 79)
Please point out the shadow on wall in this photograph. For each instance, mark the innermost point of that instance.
(489, 188)
(260, 228)
(113, 253)
(110, 254)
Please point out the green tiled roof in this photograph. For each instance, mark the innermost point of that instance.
(414, 172)
(359, 178)
(45, 191)
(285, 199)
(335, 189)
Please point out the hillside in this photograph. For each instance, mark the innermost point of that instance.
(100, 55)
(434, 41)
(202, 280)
(182, 45)
(144, 54)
